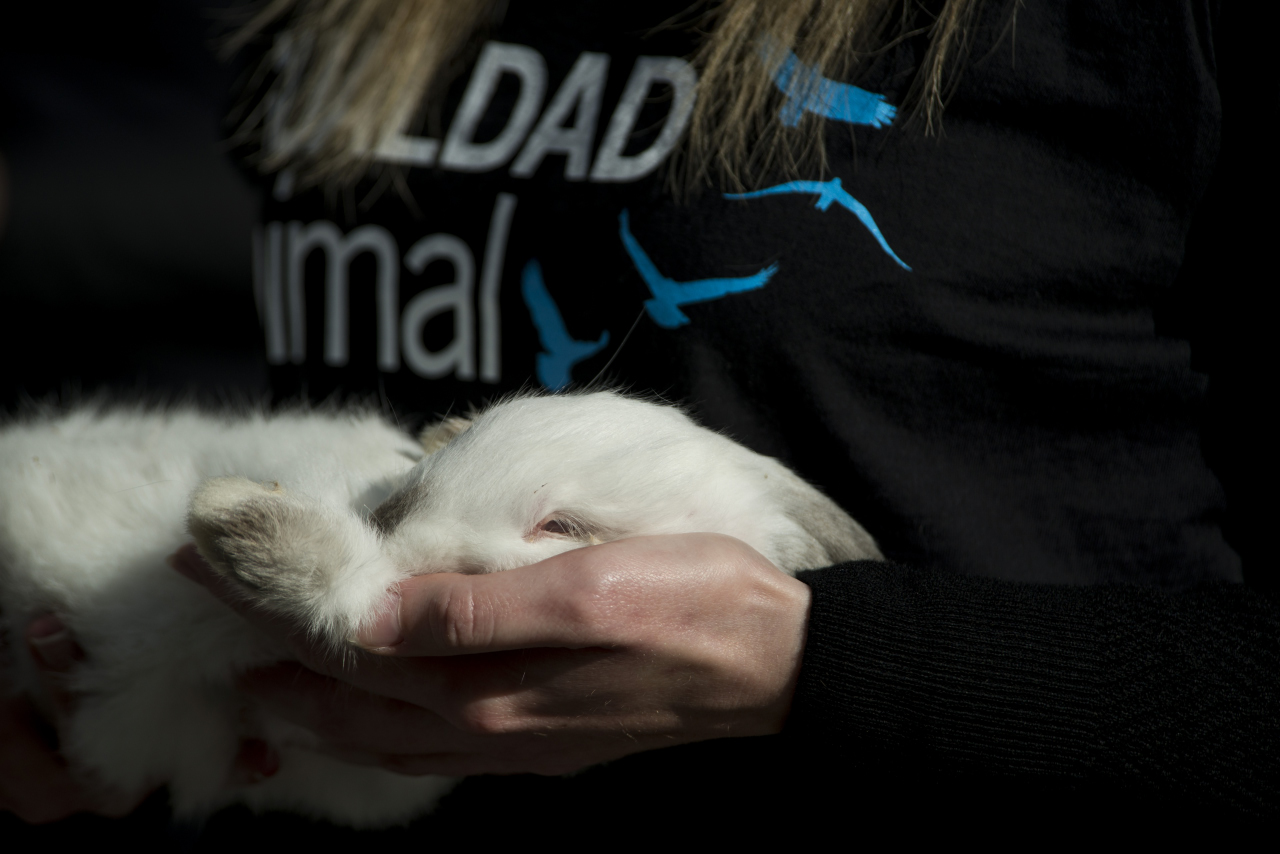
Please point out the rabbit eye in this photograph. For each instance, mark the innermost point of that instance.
(568, 527)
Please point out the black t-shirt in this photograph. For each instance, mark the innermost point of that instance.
(977, 342)
(952, 335)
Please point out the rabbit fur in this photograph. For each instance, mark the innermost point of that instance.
(317, 515)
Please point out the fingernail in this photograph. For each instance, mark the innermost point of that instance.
(187, 562)
(384, 635)
(52, 645)
(44, 626)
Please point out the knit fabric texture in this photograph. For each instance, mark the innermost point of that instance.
(1168, 694)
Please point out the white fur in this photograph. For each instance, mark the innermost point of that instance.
(93, 501)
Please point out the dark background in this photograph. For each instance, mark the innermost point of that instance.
(125, 261)
(125, 266)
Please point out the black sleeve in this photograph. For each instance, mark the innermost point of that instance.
(1172, 694)
(1118, 687)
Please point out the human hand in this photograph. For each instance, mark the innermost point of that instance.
(36, 782)
(588, 656)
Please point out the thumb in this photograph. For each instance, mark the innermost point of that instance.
(547, 604)
(56, 654)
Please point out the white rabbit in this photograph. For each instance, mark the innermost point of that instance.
(317, 515)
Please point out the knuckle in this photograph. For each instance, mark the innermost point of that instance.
(483, 718)
(581, 608)
(587, 601)
(460, 621)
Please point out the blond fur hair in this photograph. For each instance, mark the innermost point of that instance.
(348, 72)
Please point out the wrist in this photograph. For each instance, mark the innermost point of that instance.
(795, 600)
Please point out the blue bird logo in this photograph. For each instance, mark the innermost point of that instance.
(669, 294)
(560, 351)
(808, 91)
(828, 193)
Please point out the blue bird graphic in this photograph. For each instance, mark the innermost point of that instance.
(828, 192)
(668, 294)
(560, 351)
(808, 91)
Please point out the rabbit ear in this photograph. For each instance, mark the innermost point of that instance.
(437, 435)
(831, 535)
(296, 557)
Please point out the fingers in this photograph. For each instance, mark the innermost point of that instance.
(35, 782)
(452, 614)
(591, 655)
(55, 653)
(500, 692)
(413, 765)
(562, 602)
(447, 764)
(444, 614)
(354, 726)
(590, 597)
(455, 703)
(365, 729)
(347, 717)
(610, 595)
(653, 640)
(55, 650)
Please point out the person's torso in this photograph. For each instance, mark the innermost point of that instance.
(952, 335)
